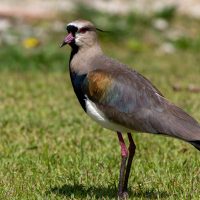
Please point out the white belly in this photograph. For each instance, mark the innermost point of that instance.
(100, 118)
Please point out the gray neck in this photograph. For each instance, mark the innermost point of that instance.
(82, 58)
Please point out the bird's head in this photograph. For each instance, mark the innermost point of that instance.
(81, 33)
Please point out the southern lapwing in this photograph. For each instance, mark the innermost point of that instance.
(121, 99)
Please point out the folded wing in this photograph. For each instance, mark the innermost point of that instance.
(129, 99)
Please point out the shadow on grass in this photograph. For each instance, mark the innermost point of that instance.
(79, 191)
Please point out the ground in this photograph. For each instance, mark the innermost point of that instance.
(50, 149)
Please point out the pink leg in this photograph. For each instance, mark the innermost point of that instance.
(124, 154)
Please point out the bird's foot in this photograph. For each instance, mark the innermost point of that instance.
(123, 196)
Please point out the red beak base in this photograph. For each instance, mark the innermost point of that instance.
(68, 40)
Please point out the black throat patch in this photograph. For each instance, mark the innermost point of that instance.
(76, 79)
(77, 82)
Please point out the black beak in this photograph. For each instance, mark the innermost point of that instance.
(63, 44)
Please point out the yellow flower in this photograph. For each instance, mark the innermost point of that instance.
(30, 42)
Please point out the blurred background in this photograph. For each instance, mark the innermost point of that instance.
(44, 133)
(30, 31)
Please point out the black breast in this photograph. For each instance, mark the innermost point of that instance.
(77, 82)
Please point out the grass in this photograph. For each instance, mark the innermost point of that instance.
(50, 149)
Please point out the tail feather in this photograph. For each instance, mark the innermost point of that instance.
(177, 123)
(196, 144)
(185, 127)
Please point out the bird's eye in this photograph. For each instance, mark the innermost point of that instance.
(83, 30)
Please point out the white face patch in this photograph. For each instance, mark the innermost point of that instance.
(79, 25)
(78, 37)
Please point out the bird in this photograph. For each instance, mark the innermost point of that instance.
(121, 99)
